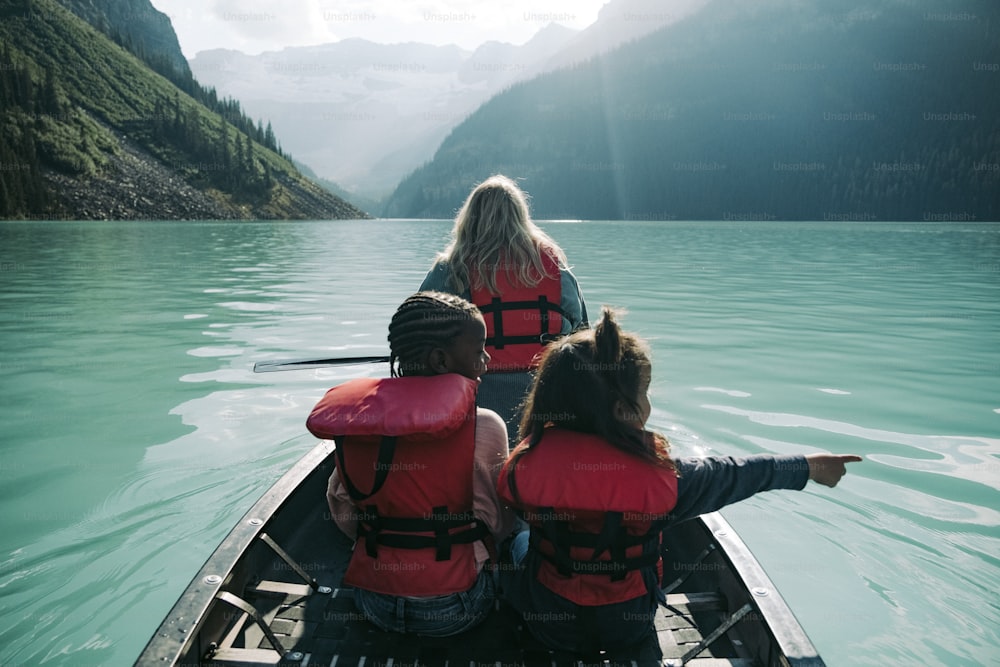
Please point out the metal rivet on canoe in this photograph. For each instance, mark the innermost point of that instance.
(324, 590)
(760, 592)
(255, 522)
(295, 656)
(213, 580)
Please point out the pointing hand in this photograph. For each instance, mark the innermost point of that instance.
(827, 469)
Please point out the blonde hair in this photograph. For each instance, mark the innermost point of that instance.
(493, 231)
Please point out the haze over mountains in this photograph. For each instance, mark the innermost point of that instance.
(741, 109)
(716, 109)
(835, 111)
(364, 115)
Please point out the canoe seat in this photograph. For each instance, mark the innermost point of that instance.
(337, 634)
(317, 625)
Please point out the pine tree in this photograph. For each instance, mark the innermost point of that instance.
(49, 99)
(7, 204)
(269, 140)
(6, 78)
(241, 159)
(223, 147)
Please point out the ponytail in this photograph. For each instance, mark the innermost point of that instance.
(583, 381)
(618, 367)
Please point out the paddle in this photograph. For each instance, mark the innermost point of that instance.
(296, 364)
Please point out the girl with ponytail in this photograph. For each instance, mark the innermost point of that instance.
(597, 489)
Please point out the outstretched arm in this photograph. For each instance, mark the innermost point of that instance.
(709, 484)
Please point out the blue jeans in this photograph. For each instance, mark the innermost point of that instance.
(439, 616)
(519, 548)
(561, 624)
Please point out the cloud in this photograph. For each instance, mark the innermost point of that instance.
(272, 25)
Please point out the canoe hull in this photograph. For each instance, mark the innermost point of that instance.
(320, 627)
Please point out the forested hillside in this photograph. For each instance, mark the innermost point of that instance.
(840, 110)
(89, 130)
(139, 27)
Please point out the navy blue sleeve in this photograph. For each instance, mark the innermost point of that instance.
(708, 484)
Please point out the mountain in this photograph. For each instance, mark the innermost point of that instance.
(620, 22)
(139, 27)
(364, 115)
(751, 109)
(89, 130)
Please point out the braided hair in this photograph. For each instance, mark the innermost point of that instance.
(424, 321)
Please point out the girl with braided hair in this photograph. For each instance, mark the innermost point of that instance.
(588, 573)
(416, 471)
(519, 279)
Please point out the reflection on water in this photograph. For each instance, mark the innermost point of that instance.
(136, 433)
(973, 459)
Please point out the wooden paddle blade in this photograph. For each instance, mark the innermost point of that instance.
(298, 364)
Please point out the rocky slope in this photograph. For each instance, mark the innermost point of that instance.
(134, 186)
(137, 186)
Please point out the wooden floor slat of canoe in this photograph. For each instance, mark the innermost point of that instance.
(336, 633)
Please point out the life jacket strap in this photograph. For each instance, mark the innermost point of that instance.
(386, 451)
(613, 538)
(496, 308)
(439, 531)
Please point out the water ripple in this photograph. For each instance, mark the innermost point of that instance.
(968, 458)
(129, 352)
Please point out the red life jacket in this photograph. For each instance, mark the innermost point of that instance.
(405, 453)
(595, 514)
(520, 320)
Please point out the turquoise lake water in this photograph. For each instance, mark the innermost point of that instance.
(135, 434)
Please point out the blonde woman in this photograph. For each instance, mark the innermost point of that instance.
(520, 280)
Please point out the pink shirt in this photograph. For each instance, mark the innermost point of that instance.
(490, 453)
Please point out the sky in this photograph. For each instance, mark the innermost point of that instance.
(254, 26)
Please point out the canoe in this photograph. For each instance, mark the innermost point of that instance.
(266, 596)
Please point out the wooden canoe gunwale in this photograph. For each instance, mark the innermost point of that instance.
(180, 635)
(750, 583)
